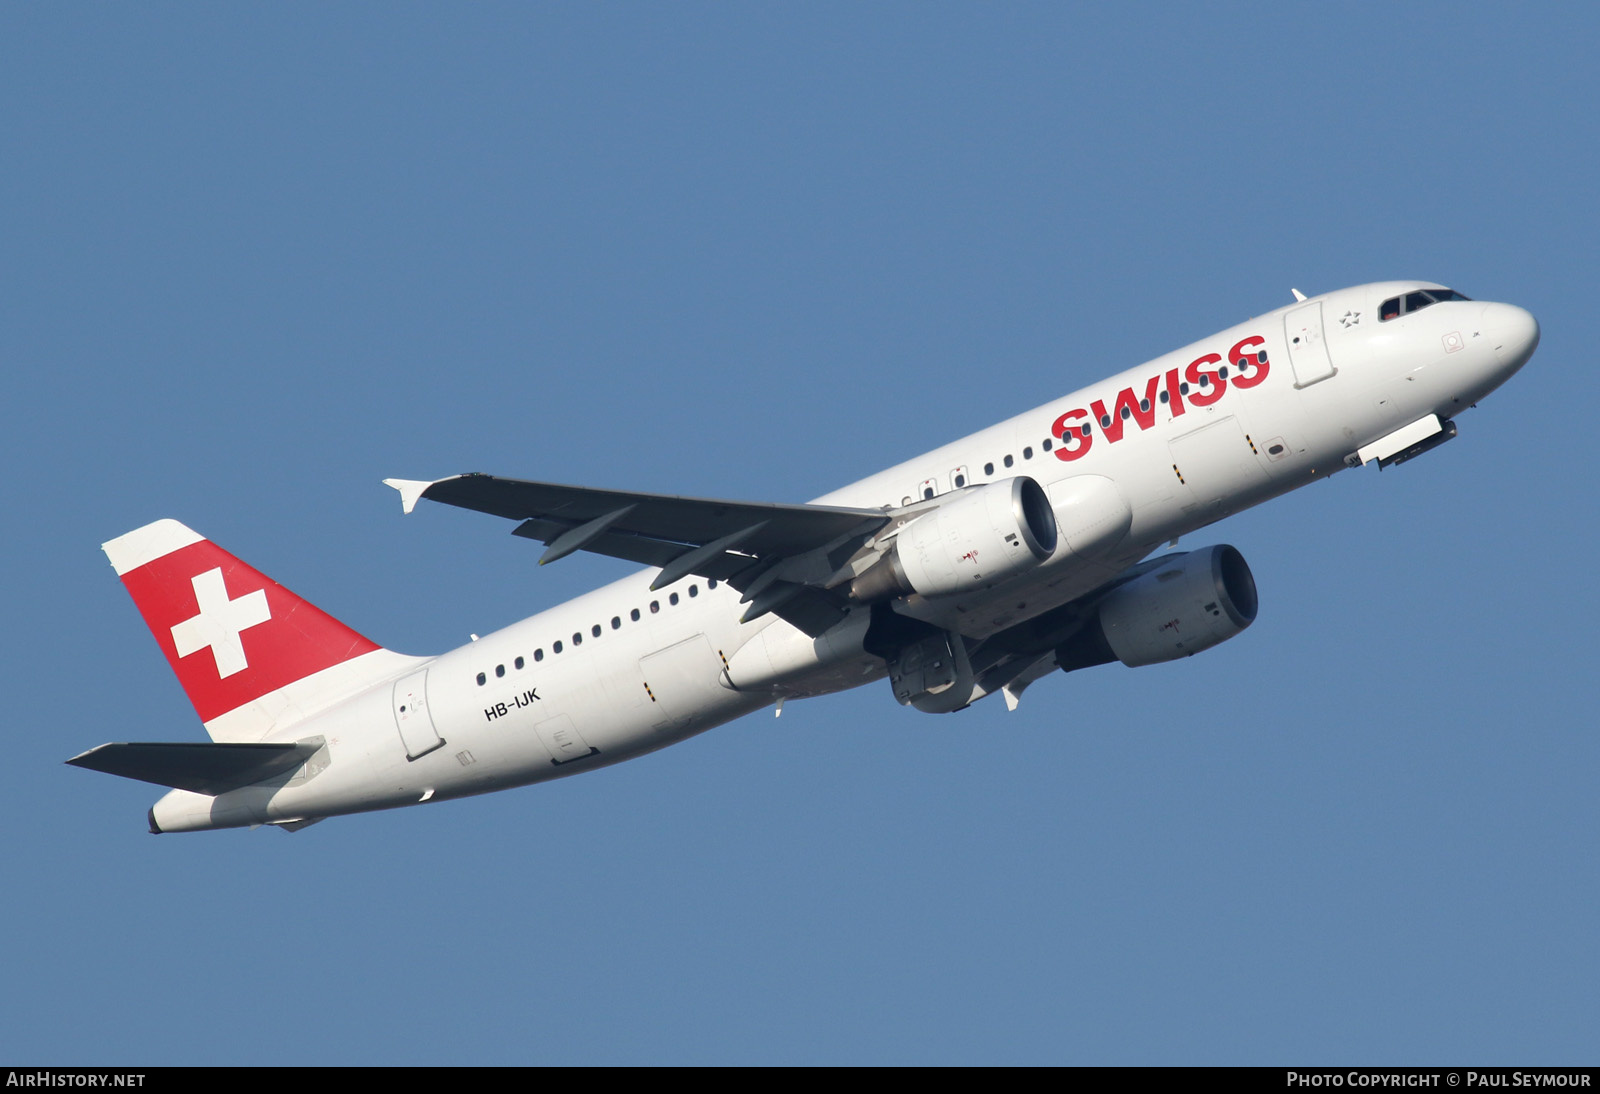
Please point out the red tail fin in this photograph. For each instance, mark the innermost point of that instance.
(232, 634)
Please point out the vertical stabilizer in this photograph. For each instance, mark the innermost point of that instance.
(251, 655)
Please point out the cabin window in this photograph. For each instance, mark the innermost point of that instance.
(1045, 444)
(712, 584)
(1027, 453)
(1008, 460)
(518, 663)
(634, 615)
(694, 590)
(556, 645)
(655, 606)
(577, 638)
(538, 654)
(499, 670)
(482, 679)
(988, 469)
(673, 600)
(616, 622)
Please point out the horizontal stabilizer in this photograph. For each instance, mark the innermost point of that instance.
(203, 768)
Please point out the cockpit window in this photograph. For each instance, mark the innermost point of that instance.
(1416, 301)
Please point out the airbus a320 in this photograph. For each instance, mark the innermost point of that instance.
(976, 568)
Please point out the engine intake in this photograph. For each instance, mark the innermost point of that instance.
(1186, 604)
(977, 539)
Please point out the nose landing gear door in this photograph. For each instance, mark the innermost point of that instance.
(1308, 350)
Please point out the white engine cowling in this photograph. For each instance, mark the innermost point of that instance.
(1196, 601)
(978, 538)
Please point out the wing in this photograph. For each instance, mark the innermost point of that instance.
(785, 559)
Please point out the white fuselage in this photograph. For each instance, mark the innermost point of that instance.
(624, 670)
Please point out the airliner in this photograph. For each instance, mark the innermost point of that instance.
(976, 568)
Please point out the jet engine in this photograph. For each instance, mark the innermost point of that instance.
(976, 539)
(1182, 605)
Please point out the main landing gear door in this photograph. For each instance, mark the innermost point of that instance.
(1308, 350)
(411, 715)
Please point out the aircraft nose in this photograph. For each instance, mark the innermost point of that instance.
(1513, 332)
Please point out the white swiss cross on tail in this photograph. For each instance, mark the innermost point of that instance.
(220, 622)
(263, 639)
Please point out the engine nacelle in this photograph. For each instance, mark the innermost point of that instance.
(1185, 604)
(1197, 601)
(976, 539)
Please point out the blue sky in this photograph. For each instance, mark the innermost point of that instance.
(259, 257)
